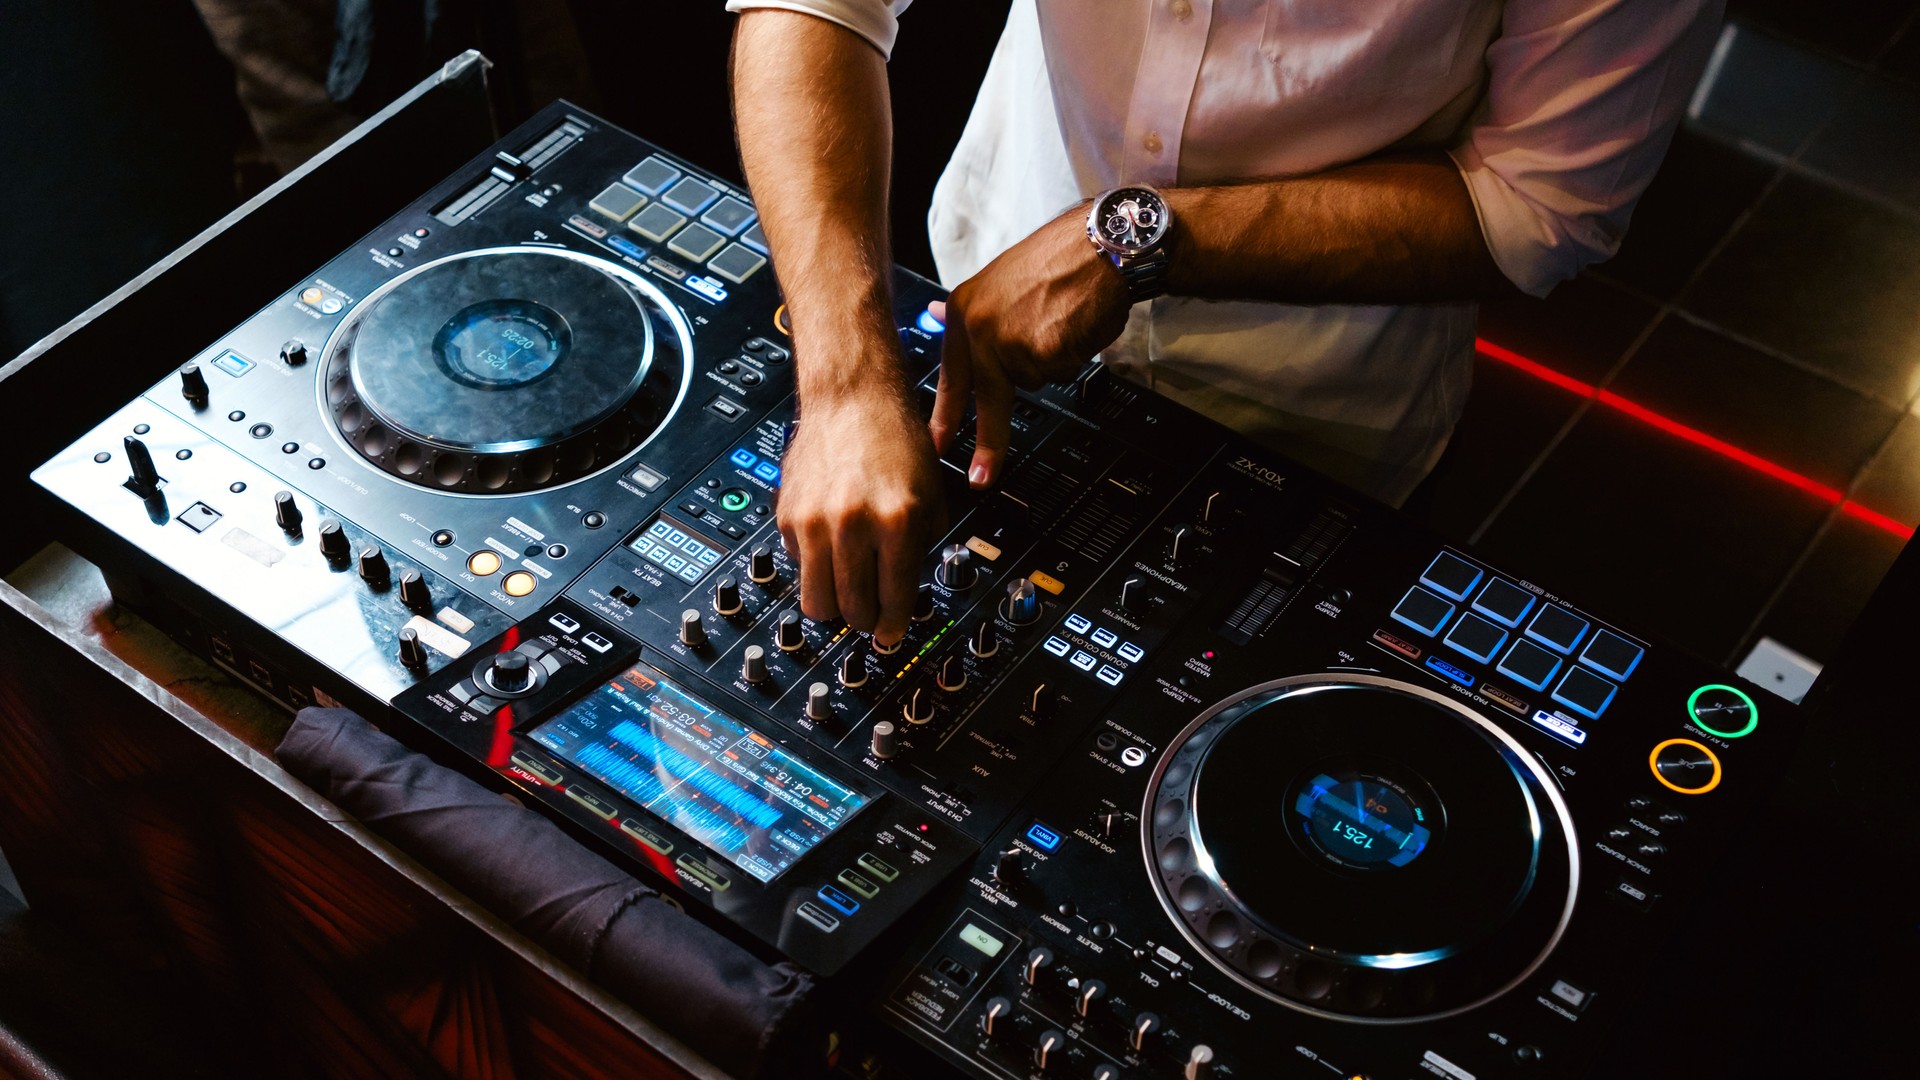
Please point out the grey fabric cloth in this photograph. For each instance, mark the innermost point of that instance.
(746, 1016)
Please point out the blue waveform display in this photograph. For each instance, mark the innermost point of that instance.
(719, 788)
(629, 779)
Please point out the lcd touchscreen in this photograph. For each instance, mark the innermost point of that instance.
(725, 784)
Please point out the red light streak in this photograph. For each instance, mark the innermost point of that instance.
(1693, 435)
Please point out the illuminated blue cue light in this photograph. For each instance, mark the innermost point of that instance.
(931, 325)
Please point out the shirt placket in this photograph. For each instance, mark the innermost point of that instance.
(1163, 88)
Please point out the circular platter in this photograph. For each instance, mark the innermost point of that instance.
(1361, 848)
(505, 370)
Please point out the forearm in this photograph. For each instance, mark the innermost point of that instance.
(1399, 229)
(811, 112)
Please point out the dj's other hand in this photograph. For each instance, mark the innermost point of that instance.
(1033, 316)
(859, 503)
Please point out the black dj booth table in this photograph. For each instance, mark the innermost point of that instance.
(142, 808)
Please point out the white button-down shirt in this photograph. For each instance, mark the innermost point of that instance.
(1557, 113)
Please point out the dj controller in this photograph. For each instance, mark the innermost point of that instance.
(1192, 763)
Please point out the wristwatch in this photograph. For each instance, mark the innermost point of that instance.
(1130, 226)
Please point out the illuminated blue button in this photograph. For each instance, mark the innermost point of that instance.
(1084, 660)
(675, 537)
(1451, 576)
(709, 557)
(1504, 602)
(234, 364)
(628, 246)
(692, 546)
(659, 528)
(675, 563)
(1079, 624)
(1559, 727)
(658, 554)
(1476, 638)
(1108, 674)
(1131, 653)
(1450, 671)
(1529, 665)
(708, 288)
(1042, 837)
(1423, 611)
(643, 545)
(690, 572)
(1557, 628)
(838, 901)
(1610, 654)
(1585, 693)
(1105, 638)
(744, 458)
(1056, 646)
(927, 322)
(767, 471)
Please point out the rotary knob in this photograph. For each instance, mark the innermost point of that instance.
(333, 542)
(1182, 546)
(1050, 1048)
(286, 513)
(726, 596)
(819, 702)
(919, 706)
(956, 570)
(886, 740)
(193, 385)
(143, 478)
(984, 642)
(414, 592)
(923, 604)
(373, 567)
(1212, 510)
(412, 652)
(1199, 1063)
(753, 664)
(1041, 702)
(1133, 595)
(510, 673)
(293, 353)
(1038, 960)
(692, 632)
(1145, 1026)
(1022, 606)
(853, 666)
(1009, 867)
(1105, 1071)
(952, 675)
(1091, 990)
(993, 1018)
(788, 634)
(760, 564)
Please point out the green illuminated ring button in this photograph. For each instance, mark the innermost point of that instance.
(1722, 710)
(734, 500)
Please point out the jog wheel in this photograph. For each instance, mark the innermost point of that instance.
(1360, 848)
(506, 370)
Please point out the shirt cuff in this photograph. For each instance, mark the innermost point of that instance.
(1521, 234)
(874, 20)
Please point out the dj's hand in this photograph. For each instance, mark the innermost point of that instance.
(859, 503)
(1033, 316)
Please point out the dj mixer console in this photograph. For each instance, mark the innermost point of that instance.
(1192, 763)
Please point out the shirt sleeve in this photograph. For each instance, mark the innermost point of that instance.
(1583, 97)
(876, 20)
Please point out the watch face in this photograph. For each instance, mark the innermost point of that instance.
(1131, 220)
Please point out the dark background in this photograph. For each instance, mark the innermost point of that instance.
(1766, 297)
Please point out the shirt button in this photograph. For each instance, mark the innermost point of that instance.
(1152, 143)
(1182, 9)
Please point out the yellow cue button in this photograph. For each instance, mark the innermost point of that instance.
(1047, 581)
(484, 563)
(518, 583)
(1685, 766)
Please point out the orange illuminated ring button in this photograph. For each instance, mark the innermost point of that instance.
(1685, 766)
(484, 563)
(518, 583)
